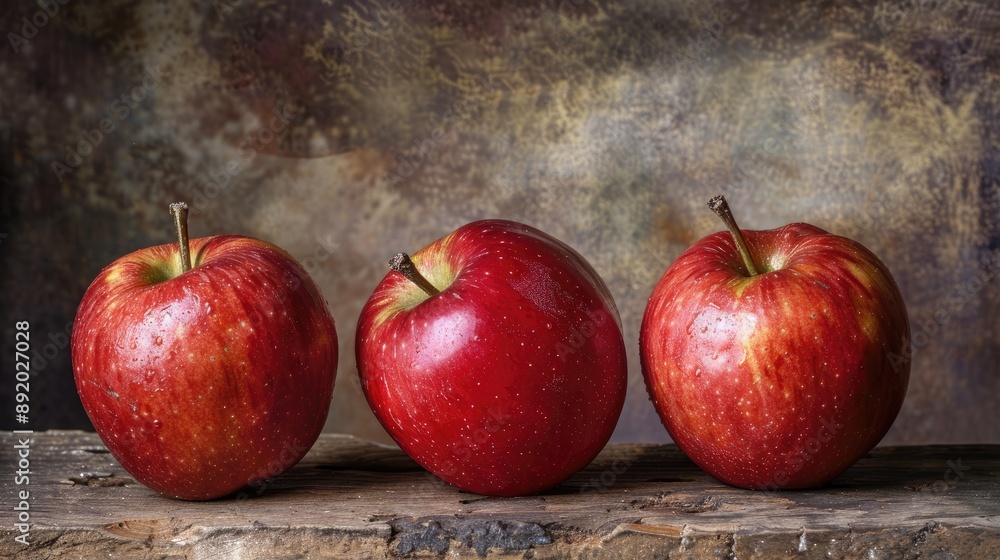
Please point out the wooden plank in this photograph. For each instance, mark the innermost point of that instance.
(350, 498)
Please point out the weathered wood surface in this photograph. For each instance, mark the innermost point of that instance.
(351, 498)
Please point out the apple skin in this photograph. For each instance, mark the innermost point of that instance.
(512, 378)
(784, 379)
(202, 382)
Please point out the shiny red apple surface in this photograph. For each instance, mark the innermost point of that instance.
(202, 382)
(781, 379)
(511, 376)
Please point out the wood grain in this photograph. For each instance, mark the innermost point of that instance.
(351, 498)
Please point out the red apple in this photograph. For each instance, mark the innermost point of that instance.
(499, 364)
(776, 362)
(205, 380)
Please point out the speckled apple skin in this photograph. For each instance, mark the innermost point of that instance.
(784, 379)
(212, 380)
(512, 378)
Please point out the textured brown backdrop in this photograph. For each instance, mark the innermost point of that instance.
(345, 132)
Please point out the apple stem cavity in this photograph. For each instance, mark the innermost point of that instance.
(402, 264)
(719, 205)
(179, 210)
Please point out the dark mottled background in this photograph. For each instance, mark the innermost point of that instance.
(346, 131)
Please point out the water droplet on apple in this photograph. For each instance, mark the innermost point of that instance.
(548, 325)
(697, 372)
(157, 424)
(158, 341)
(715, 356)
(134, 345)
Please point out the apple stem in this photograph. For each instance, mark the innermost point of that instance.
(402, 264)
(719, 205)
(179, 210)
